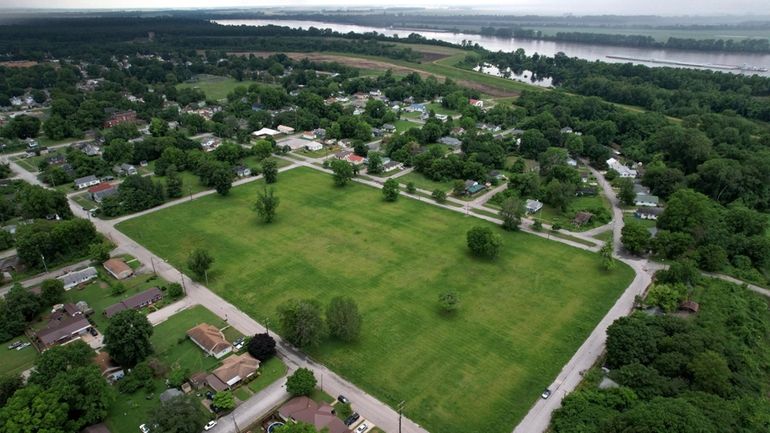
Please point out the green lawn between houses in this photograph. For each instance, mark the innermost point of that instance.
(216, 87)
(521, 317)
(13, 362)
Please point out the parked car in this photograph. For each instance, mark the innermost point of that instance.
(93, 332)
(352, 418)
(342, 399)
(14, 345)
(144, 429)
(210, 425)
(209, 395)
(545, 394)
(362, 428)
(23, 345)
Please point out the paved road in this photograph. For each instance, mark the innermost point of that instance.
(37, 279)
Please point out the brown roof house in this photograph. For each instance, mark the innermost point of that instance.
(66, 323)
(233, 370)
(303, 409)
(109, 368)
(210, 339)
(118, 268)
(140, 300)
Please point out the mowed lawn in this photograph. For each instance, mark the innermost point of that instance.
(521, 317)
(216, 87)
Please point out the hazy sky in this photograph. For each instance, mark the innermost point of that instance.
(658, 7)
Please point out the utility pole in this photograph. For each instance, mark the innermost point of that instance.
(400, 411)
(44, 265)
(206, 274)
(153, 266)
(184, 287)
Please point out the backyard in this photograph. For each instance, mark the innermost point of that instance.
(521, 317)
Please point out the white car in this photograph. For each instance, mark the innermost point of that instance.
(210, 425)
(144, 429)
(362, 428)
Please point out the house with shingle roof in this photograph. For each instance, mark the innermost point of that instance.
(320, 415)
(233, 370)
(210, 339)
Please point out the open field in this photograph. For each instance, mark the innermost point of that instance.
(522, 316)
(16, 361)
(422, 182)
(215, 87)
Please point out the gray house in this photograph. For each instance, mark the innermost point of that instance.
(85, 182)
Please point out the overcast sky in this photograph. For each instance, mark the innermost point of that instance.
(657, 7)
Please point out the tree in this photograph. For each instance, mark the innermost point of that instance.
(87, 395)
(262, 347)
(8, 385)
(559, 194)
(175, 290)
(173, 182)
(411, 188)
(224, 400)
(635, 238)
(180, 414)
(60, 360)
(34, 409)
(608, 262)
(99, 252)
(711, 373)
(158, 127)
(483, 242)
(343, 318)
(266, 205)
(343, 172)
(222, 179)
(127, 338)
(390, 190)
(627, 194)
(302, 382)
(296, 427)
(374, 163)
(262, 149)
(511, 213)
(301, 322)
(270, 171)
(52, 292)
(199, 261)
(666, 296)
(449, 301)
(439, 196)
(458, 188)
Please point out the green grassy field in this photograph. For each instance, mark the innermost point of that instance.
(405, 125)
(16, 361)
(269, 371)
(522, 316)
(422, 182)
(215, 87)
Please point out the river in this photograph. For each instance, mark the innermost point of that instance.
(715, 60)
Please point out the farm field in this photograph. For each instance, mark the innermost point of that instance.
(521, 317)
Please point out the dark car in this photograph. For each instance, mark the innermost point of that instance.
(210, 395)
(93, 332)
(352, 418)
(342, 399)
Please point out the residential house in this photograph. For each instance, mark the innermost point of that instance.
(476, 102)
(622, 170)
(285, 129)
(450, 141)
(648, 213)
(392, 165)
(419, 108)
(101, 191)
(646, 200)
(582, 218)
(118, 268)
(572, 162)
(210, 339)
(242, 171)
(124, 170)
(91, 149)
(294, 143)
(355, 159)
(110, 370)
(313, 146)
(265, 132)
(533, 206)
(587, 191)
(234, 369)
(473, 187)
(320, 415)
(442, 117)
(358, 111)
(56, 159)
(85, 182)
(319, 133)
(118, 117)
(75, 278)
(66, 323)
(389, 128)
(211, 144)
(140, 300)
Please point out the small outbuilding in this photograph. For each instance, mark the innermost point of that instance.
(118, 268)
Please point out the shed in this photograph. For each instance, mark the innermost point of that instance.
(118, 268)
(689, 306)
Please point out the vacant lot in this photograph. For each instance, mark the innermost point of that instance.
(215, 87)
(521, 317)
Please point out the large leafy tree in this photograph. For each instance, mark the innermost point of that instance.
(343, 172)
(511, 212)
(34, 409)
(390, 190)
(127, 338)
(301, 322)
(270, 171)
(266, 205)
(59, 360)
(262, 347)
(199, 262)
(181, 414)
(87, 395)
(635, 238)
(483, 242)
(302, 382)
(343, 319)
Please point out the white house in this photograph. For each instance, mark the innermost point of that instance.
(265, 132)
(285, 129)
(75, 278)
(533, 205)
(646, 200)
(314, 145)
(85, 182)
(648, 213)
(622, 170)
